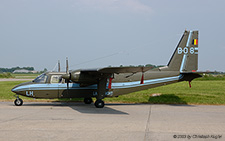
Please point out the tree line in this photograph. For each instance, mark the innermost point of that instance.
(15, 68)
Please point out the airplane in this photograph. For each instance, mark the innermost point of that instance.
(114, 81)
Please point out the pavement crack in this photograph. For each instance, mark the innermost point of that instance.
(146, 137)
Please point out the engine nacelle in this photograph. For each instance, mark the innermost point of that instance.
(81, 77)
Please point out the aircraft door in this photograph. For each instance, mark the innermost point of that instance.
(62, 86)
(55, 84)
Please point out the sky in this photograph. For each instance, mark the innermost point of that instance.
(101, 33)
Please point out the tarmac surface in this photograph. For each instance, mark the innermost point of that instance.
(40, 121)
(13, 79)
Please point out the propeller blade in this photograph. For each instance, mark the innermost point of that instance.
(67, 66)
(67, 76)
(58, 66)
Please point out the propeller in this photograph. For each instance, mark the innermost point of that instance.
(67, 76)
(67, 66)
(58, 66)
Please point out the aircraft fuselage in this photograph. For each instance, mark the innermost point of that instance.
(121, 84)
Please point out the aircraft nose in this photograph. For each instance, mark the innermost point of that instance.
(14, 89)
(21, 87)
(17, 89)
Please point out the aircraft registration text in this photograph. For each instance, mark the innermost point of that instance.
(29, 93)
(187, 50)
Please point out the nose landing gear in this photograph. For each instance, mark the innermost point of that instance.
(18, 101)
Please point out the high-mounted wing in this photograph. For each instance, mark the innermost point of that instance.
(92, 76)
(124, 69)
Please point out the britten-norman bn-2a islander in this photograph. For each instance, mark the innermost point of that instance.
(114, 81)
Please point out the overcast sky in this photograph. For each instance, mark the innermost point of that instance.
(99, 33)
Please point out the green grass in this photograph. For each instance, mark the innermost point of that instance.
(211, 77)
(202, 92)
(18, 75)
(6, 75)
(25, 76)
(5, 90)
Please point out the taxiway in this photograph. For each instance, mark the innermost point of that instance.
(39, 121)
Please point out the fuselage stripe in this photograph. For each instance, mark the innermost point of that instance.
(116, 85)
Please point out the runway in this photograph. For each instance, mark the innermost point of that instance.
(39, 121)
(14, 79)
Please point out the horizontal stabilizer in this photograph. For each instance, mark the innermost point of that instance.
(189, 76)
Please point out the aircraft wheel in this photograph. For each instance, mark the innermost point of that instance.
(99, 103)
(88, 100)
(18, 102)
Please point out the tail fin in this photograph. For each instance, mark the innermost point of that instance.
(185, 56)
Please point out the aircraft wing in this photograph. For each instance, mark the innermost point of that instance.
(124, 69)
(111, 70)
(92, 76)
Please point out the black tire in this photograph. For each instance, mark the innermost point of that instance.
(99, 103)
(88, 100)
(18, 102)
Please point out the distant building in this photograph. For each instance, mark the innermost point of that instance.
(21, 71)
(34, 71)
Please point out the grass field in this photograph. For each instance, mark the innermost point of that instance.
(18, 75)
(25, 76)
(6, 75)
(202, 92)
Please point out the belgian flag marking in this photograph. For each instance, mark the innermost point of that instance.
(195, 42)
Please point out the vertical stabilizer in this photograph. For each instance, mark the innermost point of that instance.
(185, 56)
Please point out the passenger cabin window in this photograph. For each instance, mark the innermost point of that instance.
(41, 78)
(56, 79)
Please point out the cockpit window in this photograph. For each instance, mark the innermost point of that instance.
(41, 78)
(56, 79)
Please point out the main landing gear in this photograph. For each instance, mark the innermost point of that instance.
(18, 101)
(98, 103)
(88, 100)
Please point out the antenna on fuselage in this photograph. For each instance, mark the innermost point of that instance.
(58, 66)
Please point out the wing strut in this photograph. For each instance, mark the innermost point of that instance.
(142, 77)
(189, 84)
(110, 83)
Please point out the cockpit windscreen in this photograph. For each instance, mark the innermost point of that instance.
(41, 78)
